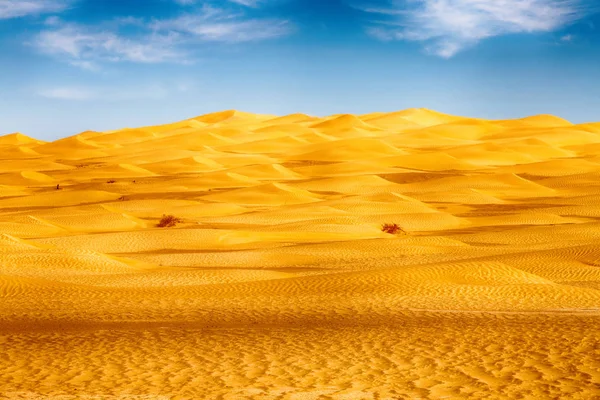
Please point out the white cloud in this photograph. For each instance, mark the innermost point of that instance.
(22, 8)
(447, 27)
(67, 93)
(567, 38)
(88, 65)
(84, 46)
(172, 40)
(247, 3)
(155, 91)
(53, 21)
(213, 24)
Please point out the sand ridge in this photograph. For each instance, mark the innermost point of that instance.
(278, 281)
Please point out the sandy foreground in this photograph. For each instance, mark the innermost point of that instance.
(278, 283)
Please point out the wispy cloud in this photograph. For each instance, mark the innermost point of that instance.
(247, 3)
(22, 8)
(155, 91)
(214, 24)
(172, 40)
(85, 46)
(446, 27)
(67, 93)
(567, 38)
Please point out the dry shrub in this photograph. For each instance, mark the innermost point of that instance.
(111, 181)
(393, 229)
(168, 221)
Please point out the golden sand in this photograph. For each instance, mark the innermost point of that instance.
(278, 283)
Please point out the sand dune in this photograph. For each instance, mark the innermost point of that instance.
(17, 139)
(350, 150)
(232, 116)
(272, 172)
(341, 124)
(425, 117)
(185, 165)
(267, 194)
(18, 152)
(423, 161)
(278, 281)
(25, 178)
(391, 121)
(542, 120)
(464, 129)
(270, 145)
(66, 145)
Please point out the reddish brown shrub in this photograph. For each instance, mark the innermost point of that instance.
(168, 221)
(393, 229)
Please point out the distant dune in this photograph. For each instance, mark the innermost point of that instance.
(278, 281)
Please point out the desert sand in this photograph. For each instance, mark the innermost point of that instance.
(279, 283)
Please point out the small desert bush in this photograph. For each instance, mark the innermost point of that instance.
(111, 181)
(168, 221)
(393, 229)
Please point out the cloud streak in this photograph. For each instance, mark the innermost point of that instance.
(23, 8)
(85, 47)
(173, 40)
(156, 91)
(247, 3)
(67, 93)
(218, 25)
(446, 27)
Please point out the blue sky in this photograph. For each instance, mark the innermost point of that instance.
(71, 65)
